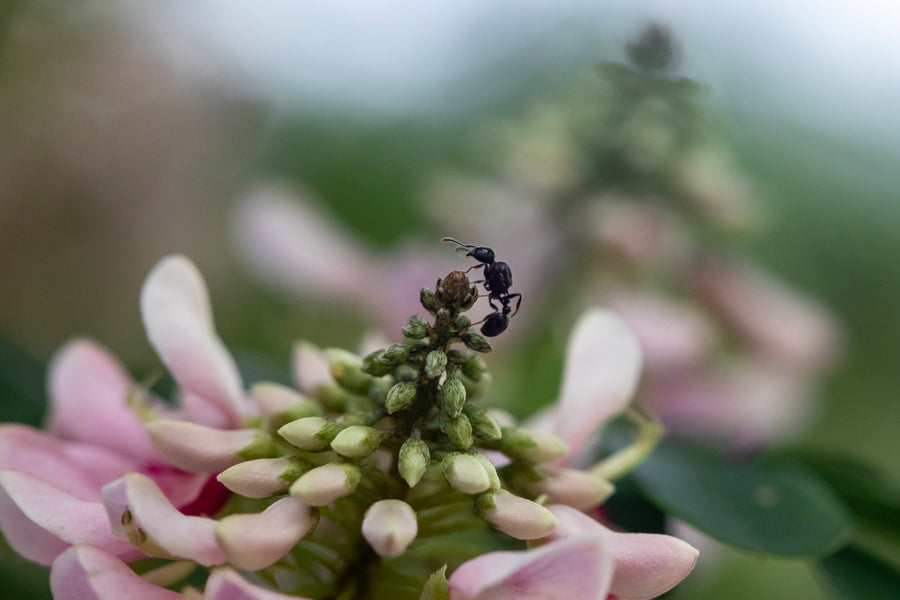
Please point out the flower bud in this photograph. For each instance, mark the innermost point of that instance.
(426, 297)
(515, 516)
(473, 367)
(277, 399)
(453, 394)
(461, 323)
(414, 458)
(416, 329)
(476, 342)
(357, 441)
(490, 469)
(465, 473)
(199, 448)
(256, 540)
(346, 368)
(310, 433)
(435, 362)
(390, 526)
(452, 290)
(458, 430)
(485, 427)
(400, 396)
(533, 445)
(578, 489)
(323, 485)
(394, 355)
(263, 477)
(375, 367)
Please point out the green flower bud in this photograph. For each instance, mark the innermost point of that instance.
(533, 445)
(372, 365)
(453, 393)
(394, 355)
(485, 428)
(323, 485)
(458, 430)
(469, 299)
(400, 396)
(462, 322)
(413, 460)
(346, 368)
(475, 342)
(357, 441)
(465, 473)
(435, 362)
(310, 433)
(473, 367)
(426, 297)
(416, 329)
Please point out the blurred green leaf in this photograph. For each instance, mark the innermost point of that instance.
(857, 575)
(22, 397)
(768, 506)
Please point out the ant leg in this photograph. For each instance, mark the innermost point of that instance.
(518, 303)
(491, 302)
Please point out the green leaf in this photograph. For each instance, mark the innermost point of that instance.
(764, 506)
(22, 376)
(436, 586)
(857, 575)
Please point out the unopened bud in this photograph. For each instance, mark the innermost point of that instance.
(416, 329)
(413, 460)
(533, 445)
(485, 427)
(263, 477)
(198, 448)
(400, 396)
(323, 485)
(346, 368)
(465, 473)
(357, 441)
(273, 399)
(394, 355)
(474, 341)
(458, 430)
(515, 516)
(490, 469)
(578, 489)
(473, 367)
(453, 394)
(390, 526)
(426, 297)
(461, 323)
(374, 367)
(310, 433)
(435, 362)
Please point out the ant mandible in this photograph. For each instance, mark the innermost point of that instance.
(497, 280)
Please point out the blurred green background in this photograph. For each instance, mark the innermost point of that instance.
(129, 131)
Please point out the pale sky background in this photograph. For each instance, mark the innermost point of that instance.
(830, 65)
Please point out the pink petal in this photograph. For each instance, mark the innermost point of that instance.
(88, 392)
(255, 541)
(792, 329)
(672, 335)
(29, 451)
(578, 568)
(225, 584)
(40, 521)
(198, 448)
(178, 319)
(291, 244)
(603, 364)
(137, 510)
(88, 573)
(646, 564)
(310, 368)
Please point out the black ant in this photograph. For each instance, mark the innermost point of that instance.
(497, 280)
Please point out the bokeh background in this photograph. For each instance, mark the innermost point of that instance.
(129, 131)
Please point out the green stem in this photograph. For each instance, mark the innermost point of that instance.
(622, 462)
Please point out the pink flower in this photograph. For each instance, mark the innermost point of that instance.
(50, 482)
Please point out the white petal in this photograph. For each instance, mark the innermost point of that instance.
(88, 573)
(225, 584)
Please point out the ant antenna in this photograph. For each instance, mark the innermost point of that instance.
(457, 242)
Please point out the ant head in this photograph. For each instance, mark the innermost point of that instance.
(482, 254)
